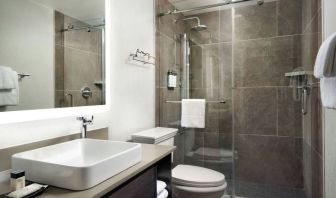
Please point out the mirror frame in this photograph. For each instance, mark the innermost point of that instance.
(42, 114)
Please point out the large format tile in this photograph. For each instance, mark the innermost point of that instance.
(264, 62)
(268, 160)
(289, 113)
(289, 16)
(168, 60)
(85, 40)
(316, 121)
(81, 69)
(255, 21)
(255, 111)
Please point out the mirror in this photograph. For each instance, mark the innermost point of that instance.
(52, 54)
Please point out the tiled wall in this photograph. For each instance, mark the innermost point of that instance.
(312, 122)
(242, 58)
(78, 60)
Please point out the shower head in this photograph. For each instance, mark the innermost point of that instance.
(198, 27)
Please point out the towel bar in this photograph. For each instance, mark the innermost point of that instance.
(22, 75)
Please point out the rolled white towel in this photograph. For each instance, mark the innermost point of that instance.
(328, 92)
(7, 79)
(325, 65)
(163, 194)
(160, 186)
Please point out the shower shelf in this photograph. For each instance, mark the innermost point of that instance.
(299, 73)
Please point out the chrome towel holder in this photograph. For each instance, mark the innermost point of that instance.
(23, 75)
(144, 57)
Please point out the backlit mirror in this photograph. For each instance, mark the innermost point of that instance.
(52, 54)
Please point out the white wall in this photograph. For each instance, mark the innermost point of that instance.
(132, 104)
(132, 87)
(329, 24)
(27, 46)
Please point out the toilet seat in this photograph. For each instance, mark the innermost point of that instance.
(194, 176)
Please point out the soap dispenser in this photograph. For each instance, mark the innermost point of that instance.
(171, 79)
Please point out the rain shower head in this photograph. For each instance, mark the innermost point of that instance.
(198, 27)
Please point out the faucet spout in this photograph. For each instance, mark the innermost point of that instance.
(85, 121)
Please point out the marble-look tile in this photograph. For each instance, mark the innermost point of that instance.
(59, 99)
(309, 11)
(59, 26)
(82, 39)
(170, 113)
(167, 60)
(251, 22)
(81, 69)
(255, 111)
(289, 17)
(307, 169)
(268, 160)
(59, 67)
(317, 175)
(316, 121)
(289, 113)
(264, 62)
(193, 140)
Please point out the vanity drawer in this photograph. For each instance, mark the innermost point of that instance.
(142, 185)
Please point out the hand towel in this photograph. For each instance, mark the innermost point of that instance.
(193, 113)
(328, 92)
(7, 80)
(163, 194)
(10, 97)
(325, 64)
(160, 186)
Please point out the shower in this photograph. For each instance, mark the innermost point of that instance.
(199, 27)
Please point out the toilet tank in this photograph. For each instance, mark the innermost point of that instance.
(158, 135)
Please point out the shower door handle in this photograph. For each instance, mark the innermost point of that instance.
(305, 93)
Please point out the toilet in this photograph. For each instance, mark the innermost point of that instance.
(187, 180)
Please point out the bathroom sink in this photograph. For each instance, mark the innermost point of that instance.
(78, 164)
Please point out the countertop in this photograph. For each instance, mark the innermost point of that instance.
(150, 155)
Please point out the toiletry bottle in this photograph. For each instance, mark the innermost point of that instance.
(17, 180)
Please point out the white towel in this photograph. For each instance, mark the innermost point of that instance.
(160, 186)
(7, 80)
(10, 97)
(325, 64)
(328, 92)
(163, 194)
(193, 113)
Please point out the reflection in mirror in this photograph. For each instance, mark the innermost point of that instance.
(52, 54)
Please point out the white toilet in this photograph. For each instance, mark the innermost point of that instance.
(187, 181)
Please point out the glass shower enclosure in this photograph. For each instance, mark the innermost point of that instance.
(236, 56)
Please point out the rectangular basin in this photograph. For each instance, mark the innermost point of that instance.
(78, 164)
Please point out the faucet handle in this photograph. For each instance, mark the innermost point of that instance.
(85, 120)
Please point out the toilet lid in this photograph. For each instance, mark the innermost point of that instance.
(155, 135)
(195, 176)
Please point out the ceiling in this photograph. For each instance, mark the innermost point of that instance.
(84, 10)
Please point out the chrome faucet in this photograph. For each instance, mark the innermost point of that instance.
(85, 121)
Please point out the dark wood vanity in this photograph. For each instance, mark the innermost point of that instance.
(144, 184)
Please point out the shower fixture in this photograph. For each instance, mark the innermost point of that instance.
(199, 27)
(87, 28)
(226, 2)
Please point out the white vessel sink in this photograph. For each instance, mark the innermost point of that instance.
(78, 164)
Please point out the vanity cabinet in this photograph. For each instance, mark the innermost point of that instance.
(143, 185)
